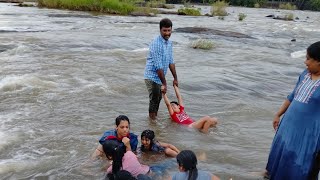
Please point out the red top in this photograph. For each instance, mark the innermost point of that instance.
(182, 117)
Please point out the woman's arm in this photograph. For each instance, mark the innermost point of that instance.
(126, 142)
(180, 101)
(166, 100)
(280, 112)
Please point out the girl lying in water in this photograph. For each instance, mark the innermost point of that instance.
(177, 113)
(148, 143)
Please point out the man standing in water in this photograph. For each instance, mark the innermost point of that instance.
(158, 60)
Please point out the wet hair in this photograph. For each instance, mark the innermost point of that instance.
(188, 160)
(175, 102)
(314, 51)
(122, 118)
(165, 23)
(149, 134)
(116, 151)
(124, 175)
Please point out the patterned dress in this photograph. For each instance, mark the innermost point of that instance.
(297, 139)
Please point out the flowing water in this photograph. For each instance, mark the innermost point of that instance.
(66, 75)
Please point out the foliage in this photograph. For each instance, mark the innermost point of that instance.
(219, 8)
(287, 6)
(189, 12)
(289, 16)
(123, 7)
(313, 5)
(242, 16)
(202, 44)
(248, 3)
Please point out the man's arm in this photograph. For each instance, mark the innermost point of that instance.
(180, 101)
(163, 80)
(174, 74)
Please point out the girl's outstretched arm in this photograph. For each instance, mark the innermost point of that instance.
(166, 100)
(180, 101)
(170, 150)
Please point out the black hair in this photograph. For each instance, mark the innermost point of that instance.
(124, 175)
(150, 135)
(188, 160)
(314, 51)
(165, 23)
(122, 118)
(116, 151)
(175, 102)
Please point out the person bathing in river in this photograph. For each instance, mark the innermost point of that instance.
(122, 130)
(178, 115)
(149, 144)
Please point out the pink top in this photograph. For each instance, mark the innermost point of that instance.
(131, 164)
(182, 117)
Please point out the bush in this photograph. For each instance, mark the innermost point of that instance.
(189, 12)
(289, 17)
(287, 6)
(202, 44)
(109, 6)
(242, 16)
(248, 3)
(219, 8)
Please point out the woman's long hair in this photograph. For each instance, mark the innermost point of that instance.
(150, 135)
(116, 151)
(188, 160)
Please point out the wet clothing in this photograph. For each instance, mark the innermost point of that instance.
(112, 135)
(131, 164)
(202, 175)
(182, 117)
(297, 140)
(159, 57)
(155, 95)
(154, 148)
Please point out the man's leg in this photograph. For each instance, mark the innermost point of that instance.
(154, 90)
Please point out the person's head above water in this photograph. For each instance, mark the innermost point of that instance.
(187, 162)
(147, 138)
(122, 126)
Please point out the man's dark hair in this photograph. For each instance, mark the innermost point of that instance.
(165, 23)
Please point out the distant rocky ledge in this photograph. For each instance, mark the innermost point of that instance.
(203, 30)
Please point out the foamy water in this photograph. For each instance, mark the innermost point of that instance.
(66, 75)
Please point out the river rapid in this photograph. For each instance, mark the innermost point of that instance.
(66, 75)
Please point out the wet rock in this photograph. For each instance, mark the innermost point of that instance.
(293, 40)
(272, 16)
(142, 14)
(297, 18)
(166, 12)
(208, 31)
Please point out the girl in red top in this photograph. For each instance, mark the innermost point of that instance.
(178, 115)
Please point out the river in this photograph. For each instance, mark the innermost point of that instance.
(66, 75)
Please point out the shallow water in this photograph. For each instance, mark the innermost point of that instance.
(66, 75)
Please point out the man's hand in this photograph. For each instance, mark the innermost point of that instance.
(175, 82)
(164, 89)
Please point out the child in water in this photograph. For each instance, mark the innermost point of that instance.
(148, 143)
(177, 113)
